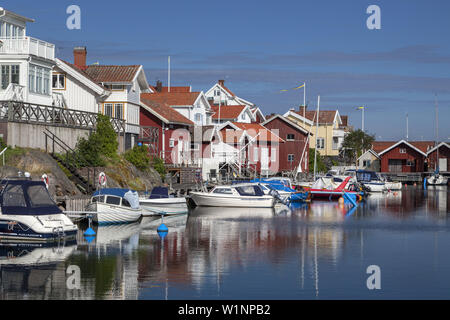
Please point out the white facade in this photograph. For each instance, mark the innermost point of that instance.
(199, 112)
(25, 63)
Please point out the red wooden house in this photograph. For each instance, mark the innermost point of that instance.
(257, 147)
(165, 131)
(402, 156)
(296, 143)
(444, 157)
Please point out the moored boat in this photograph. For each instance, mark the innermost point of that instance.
(115, 206)
(241, 195)
(321, 190)
(160, 202)
(437, 179)
(29, 214)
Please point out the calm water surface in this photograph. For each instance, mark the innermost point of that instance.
(316, 251)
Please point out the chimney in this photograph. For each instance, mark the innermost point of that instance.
(158, 86)
(302, 108)
(79, 57)
(221, 82)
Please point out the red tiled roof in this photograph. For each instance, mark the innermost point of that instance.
(227, 112)
(174, 98)
(165, 111)
(176, 89)
(231, 135)
(325, 116)
(112, 73)
(253, 129)
(424, 146)
(82, 72)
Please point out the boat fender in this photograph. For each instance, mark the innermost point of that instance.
(45, 179)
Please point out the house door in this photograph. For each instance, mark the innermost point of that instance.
(264, 159)
(395, 165)
(442, 164)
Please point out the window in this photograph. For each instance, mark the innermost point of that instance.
(410, 163)
(366, 163)
(125, 203)
(290, 137)
(59, 81)
(11, 31)
(9, 74)
(217, 93)
(290, 158)
(39, 196)
(335, 143)
(223, 190)
(255, 154)
(195, 146)
(273, 154)
(98, 199)
(108, 109)
(39, 80)
(171, 143)
(13, 197)
(320, 143)
(113, 200)
(118, 110)
(114, 87)
(402, 150)
(198, 117)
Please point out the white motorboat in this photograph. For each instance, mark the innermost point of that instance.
(371, 180)
(437, 180)
(29, 214)
(239, 195)
(113, 206)
(160, 202)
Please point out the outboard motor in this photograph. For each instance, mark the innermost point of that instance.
(276, 195)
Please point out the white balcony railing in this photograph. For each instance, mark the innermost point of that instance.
(27, 45)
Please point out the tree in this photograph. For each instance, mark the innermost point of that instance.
(355, 143)
(139, 157)
(101, 145)
(320, 162)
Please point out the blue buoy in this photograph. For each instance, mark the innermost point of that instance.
(90, 232)
(425, 183)
(163, 228)
(89, 239)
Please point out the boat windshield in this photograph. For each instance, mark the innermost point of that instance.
(223, 190)
(367, 176)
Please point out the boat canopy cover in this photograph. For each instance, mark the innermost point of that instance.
(250, 190)
(25, 197)
(322, 184)
(159, 193)
(279, 187)
(130, 195)
(366, 176)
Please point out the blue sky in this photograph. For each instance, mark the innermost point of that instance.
(261, 47)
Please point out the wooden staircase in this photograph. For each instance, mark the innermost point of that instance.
(70, 160)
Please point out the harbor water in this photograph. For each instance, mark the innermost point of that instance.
(320, 250)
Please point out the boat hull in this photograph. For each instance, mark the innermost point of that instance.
(104, 214)
(166, 206)
(44, 228)
(375, 186)
(330, 194)
(212, 200)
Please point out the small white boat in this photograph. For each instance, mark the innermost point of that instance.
(371, 180)
(114, 206)
(239, 195)
(160, 202)
(437, 180)
(29, 214)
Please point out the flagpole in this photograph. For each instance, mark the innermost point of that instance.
(168, 76)
(363, 118)
(317, 133)
(304, 103)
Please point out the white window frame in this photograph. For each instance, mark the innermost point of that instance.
(41, 77)
(9, 74)
(58, 77)
(290, 134)
(320, 143)
(273, 154)
(402, 150)
(171, 143)
(291, 158)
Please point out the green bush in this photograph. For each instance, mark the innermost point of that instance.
(138, 156)
(320, 163)
(158, 165)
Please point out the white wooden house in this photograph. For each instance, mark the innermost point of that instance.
(26, 63)
(113, 90)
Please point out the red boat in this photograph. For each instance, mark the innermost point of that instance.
(333, 193)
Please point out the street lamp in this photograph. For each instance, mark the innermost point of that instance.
(362, 108)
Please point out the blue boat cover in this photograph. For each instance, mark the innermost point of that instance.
(112, 191)
(25, 197)
(159, 193)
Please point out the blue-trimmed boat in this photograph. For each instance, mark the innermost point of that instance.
(114, 206)
(29, 214)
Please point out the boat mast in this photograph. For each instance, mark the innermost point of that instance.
(437, 134)
(317, 133)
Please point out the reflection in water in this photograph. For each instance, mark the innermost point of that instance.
(316, 250)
